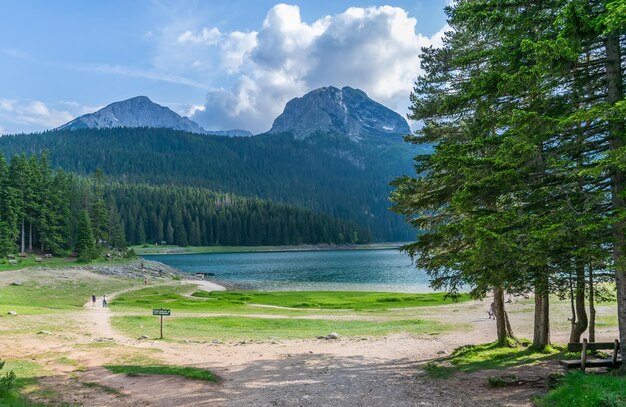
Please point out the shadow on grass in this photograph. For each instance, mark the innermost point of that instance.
(470, 358)
(182, 371)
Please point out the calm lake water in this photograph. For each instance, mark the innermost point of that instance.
(351, 270)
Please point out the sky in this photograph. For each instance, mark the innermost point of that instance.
(225, 64)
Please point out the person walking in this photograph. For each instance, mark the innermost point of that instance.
(104, 301)
(93, 299)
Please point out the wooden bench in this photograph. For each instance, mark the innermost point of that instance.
(614, 361)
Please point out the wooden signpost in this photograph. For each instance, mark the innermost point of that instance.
(161, 312)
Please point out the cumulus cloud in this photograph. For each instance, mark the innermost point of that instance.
(375, 49)
(35, 115)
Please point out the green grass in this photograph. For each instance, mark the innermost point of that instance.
(207, 328)
(471, 358)
(27, 374)
(587, 390)
(492, 356)
(33, 297)
(233, 301)
(182, 371)
(352, 300)
(29, 261)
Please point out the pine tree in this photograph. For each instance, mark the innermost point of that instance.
(85, 241)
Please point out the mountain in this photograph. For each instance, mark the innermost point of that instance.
(347, 111)
(135, 112)
(341, 167)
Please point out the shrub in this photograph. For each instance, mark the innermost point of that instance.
(7, 382)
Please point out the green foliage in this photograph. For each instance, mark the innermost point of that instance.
(525, 189)
(7, 382)
(587, 390)
(201, 217)
(44, 210)
(85, 241)
(168, 370)
(325, 174)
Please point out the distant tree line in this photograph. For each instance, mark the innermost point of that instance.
(200, 217)
(525, 105)
(53, 211)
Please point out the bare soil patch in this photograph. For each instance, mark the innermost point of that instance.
(383, 371)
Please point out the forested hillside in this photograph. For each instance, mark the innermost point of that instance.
(200, 217)
(325, 173)
(53, 211)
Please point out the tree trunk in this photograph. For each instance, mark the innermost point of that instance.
(615, 92)
(503, 326)
(23, 241)
(579, 325)
(592, 309)
(30, 236)
(541, 331)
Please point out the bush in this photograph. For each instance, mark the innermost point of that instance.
(7, 382)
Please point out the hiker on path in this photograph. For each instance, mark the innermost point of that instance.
(93, 300)
(104, 301)
(492, 310)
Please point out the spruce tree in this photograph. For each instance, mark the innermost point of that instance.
(85, 241)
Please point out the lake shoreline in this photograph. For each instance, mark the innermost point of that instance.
(167, 249)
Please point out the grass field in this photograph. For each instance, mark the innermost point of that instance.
(232, 328)
(30, 261)
(53, 295)
(173, 297)
(281, 323)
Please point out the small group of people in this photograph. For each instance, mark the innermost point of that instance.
(93, 300)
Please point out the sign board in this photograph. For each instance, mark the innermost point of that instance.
(161, 311)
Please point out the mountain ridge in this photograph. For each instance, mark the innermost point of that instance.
(346, 111)
(140, 111)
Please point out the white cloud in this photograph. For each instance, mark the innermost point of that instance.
(35, 115)
(142, 73)
(375, 49)
(206, 36)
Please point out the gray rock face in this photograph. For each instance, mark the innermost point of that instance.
(345, 111)
(230, 133)
(135, 112)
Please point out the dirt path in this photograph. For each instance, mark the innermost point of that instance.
(377, 372)
(347, 372)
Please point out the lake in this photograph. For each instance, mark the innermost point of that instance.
(336, 270)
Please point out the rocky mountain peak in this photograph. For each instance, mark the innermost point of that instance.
(345, 111)
(138, 111)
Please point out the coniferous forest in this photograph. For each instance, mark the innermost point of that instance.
(525, 190)
(54, 211)
(325, 174)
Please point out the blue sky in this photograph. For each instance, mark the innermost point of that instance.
(225, 64)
